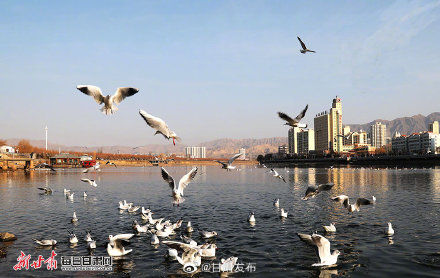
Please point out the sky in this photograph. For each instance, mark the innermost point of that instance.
(211, 69)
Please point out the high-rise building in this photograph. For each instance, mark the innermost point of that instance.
(306, 141)
(378, 135)
(328, 128)
(195, 152)
(434, 127)
(242, 151)
(292, 139)
(321, 123)
(283, 149)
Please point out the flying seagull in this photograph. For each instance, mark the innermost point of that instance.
(313, 190)
(228, 165)
(276, 175)
(109, 101)
(304, 49)
(294, 122)
(111, 164)
(325, 257)
(91, 182)
(160, 126)
(178, 188)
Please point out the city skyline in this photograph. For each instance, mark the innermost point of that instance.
(365, 51)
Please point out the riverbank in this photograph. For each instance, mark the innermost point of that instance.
(145, 163)
(401, 160)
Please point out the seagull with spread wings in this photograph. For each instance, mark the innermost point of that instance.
(91, 182)
(228, 165)
(294, 122)
(160, 126)
(109, 101)
(313, 190)
(304, 49)
(276, 175)
(178, 188)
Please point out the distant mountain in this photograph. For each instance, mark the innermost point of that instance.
(217, 148)
(405, 125)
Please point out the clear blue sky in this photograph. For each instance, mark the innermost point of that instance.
(211, 69)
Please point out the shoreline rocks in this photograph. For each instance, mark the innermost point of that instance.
(7, 237)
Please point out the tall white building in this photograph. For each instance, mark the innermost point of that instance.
(425, 142)
(378, 135)
(195, 152)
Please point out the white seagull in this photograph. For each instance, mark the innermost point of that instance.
(74, 218)
(228, 165)
(251, 218)
(206, 234)
(283, 213)
(115, 247)
(294, 122)
(389, 231)
(72, 238)
(160, 126)
(189, 228)
(178, 189)
(352, 208)
(109, 101)
(276, 175)
(91, 182)
(326, 258)
(304, 49)
(330, 228)
(46, 242)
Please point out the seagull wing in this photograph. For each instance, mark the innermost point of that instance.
(302, 114)
(362, 201)
(286, 117)
(302, 44)
(325, 187)
(222, 163)
(86, 180)
(123, 236)
(306, 238)
(323, 246)
(155, 122)
(177, 245)
(234, 158)
(185, 180)
(311, 190)
(122, 93)
(92, 91)
(169, 179)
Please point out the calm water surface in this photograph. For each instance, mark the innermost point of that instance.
(220, 201)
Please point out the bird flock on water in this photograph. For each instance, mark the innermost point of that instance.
(191, 251)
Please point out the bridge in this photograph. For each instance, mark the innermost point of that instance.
(9, 161)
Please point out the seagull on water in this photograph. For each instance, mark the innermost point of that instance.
(294, 122)
(228, 165)
(66, 192)
(91, 182)
(72, 238)
(389, 231)
(178, 189)
(88, 236)
(74, 218)
(313, 190)
(115, 247)
(251, 218)
(304, 49)
(276, 202)
(47, 190)
(330, 228)
(206, 234)
(190, 255)
(323, 245)
(189, 228)
(154, 240)
(283, 213)
(276, 175)
(110, 102)
(160, 126)
(46, 242)
(91, 244)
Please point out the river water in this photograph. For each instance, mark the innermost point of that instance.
(221, 201)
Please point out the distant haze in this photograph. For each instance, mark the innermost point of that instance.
(211, 69)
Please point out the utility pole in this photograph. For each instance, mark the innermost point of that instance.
(46, 137)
